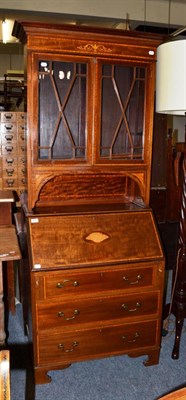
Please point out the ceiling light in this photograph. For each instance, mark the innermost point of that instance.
(7, 27)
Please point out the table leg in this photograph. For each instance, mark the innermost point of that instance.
(10, 286)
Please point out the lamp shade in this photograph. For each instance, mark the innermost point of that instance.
(171, 78)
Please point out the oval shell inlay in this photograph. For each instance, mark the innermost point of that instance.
(97, 237)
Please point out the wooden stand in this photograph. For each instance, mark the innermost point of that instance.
(9, 251)
(179, 299)
(6, 202)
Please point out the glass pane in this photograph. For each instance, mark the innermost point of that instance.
(62, 110)
(122, 112)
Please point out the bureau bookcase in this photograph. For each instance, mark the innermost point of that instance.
(95, 262)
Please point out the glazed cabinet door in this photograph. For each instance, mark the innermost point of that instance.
(69, 89)
(122, 131)
(62, 106)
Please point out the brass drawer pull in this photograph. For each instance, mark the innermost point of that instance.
(9, 127)
(9, 149)
(61, 314)
(8, 116)
(9, 161)
(139, 277)
(125, 307)
(9, 138)
(65, 283)
(10, 182)
(9, 172)
(136, 336)
(62, 347)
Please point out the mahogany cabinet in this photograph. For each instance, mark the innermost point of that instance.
(96, 266)
(97, 286)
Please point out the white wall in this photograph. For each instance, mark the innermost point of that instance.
(11, 58)
(139, 10)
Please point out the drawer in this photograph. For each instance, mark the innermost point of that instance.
(8, 117)
(10, 172)
(21, 150)
(8, 138)
(86, 311)
(8, 127)
(22, 171)
(21, 139)
(119, 339)
(63, 283)
(21, 117)
(22, 161)
(21, 128)
(9, 162)
(9, 149)
(10, 182)
(22, 181)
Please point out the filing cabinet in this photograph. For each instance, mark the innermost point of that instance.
(13, 151)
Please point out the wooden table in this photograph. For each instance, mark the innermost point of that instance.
(7, 200)
(9, 251)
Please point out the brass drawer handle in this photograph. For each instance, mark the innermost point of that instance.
(9, 127)
(9, 138)
(9, 172)
(8, 116)
(61, 314)
(62, 347)
(136, 336)
(9, 149)
(10, 182)
(139, 277)
(65, 283)
(125, 307)
(9, 161)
